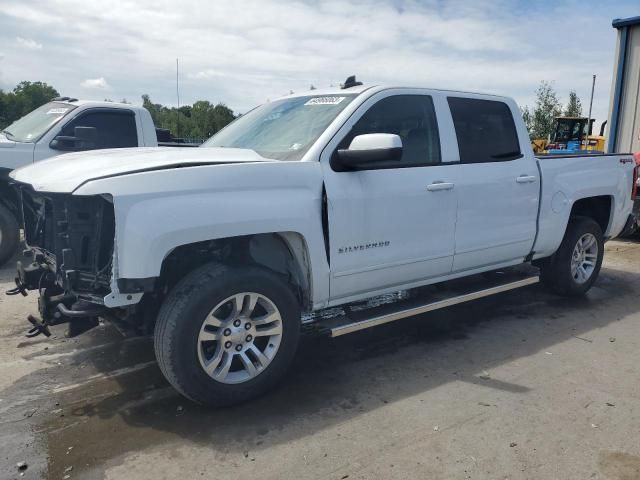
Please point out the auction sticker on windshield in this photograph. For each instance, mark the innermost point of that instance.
(57, 111)
(325, 101)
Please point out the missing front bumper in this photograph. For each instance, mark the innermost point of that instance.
(54, 304)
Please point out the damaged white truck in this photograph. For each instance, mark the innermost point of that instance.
(317, 200)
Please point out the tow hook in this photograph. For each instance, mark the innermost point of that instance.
(39, 327)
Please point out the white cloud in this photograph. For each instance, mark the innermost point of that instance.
(95, 84)
(205, 74)
(244, 52)
(29, 43)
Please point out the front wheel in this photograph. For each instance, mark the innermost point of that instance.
(575, 266)
(225, 334)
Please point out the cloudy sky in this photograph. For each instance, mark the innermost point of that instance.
(245, 52)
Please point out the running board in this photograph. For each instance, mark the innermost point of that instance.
(438, 297)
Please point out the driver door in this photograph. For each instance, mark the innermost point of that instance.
(388, 226)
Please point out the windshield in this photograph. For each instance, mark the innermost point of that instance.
(284, 129)
(32, 126)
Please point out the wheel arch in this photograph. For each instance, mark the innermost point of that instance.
(285, 253)
(599, 208)
(288, 254)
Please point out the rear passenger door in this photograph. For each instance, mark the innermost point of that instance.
(497, 185)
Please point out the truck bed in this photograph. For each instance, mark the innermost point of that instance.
(571, 178)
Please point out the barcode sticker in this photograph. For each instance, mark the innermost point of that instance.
(325, 101)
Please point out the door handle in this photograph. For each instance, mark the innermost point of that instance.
(435, 186)
(525, 179)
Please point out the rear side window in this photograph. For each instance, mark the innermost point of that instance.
(485, 130)
(114, 129)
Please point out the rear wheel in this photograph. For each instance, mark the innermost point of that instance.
(576, 265)
(225, 335)
(9, 234)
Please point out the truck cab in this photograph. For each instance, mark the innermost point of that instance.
(50, 130)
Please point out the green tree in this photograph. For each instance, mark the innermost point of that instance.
(198, 121)
(25, 97)
(4, 106)
(32, 95)
(527, 117)
(155, 109)
(574, 105)
(546, 108)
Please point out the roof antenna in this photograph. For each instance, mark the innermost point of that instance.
(350, 82)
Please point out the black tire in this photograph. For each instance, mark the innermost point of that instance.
(556, 271)
(181, 317)
(9, 234)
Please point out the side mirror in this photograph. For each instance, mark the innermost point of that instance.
(371, 147)
(84, 138)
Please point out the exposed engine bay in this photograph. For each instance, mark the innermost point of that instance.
(70, 240)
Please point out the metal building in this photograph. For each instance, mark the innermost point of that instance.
(624, 106)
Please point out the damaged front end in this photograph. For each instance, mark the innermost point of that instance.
(70, 240)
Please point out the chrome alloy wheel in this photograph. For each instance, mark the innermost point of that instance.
(239, 337)
(584, 258)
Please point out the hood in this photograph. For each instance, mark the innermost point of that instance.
(66, 173)
(14, 154)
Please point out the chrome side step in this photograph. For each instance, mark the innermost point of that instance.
(347, 325)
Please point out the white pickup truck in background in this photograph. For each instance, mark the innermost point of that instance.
(60, 126)
(307, 202)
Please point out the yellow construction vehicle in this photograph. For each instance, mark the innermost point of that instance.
(569, 136)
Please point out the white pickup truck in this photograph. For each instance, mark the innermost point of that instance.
(63, 125)
(307, 202)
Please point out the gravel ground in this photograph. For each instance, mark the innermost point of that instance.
(524, 385)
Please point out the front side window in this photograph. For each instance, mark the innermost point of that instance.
(413, 119)
(114, 129)
(32, 126)
(485, 130)
(284, 129)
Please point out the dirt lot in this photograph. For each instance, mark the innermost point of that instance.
(524, 385)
